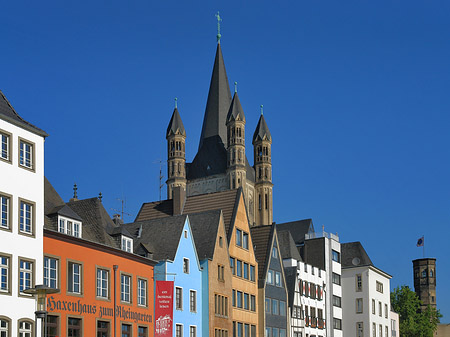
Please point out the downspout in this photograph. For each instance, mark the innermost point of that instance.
(115, 289)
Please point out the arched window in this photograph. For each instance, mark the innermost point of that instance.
(424, 273)
(172, 145)
(259, 201)
(260, 173)
(266, 201)
(5, 326)
(179, 168)
(25, 328)
(431, 273)
(266, 173)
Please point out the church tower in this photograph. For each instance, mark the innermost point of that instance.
(236, 170)
(176, 153)
(262, 141)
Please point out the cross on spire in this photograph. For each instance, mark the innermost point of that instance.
(219, 20)
(75, 188)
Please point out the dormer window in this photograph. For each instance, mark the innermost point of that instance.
(69, 227)
(127, 244)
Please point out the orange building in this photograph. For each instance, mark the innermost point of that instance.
(89, 259)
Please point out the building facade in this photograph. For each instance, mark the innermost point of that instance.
(21, 218)
(425, 281)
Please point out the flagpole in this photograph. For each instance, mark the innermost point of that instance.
(423, 246)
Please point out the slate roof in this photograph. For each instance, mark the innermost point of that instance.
(225, 201)
(218, 103)
(66, 211)
(160, 237)
(288, 248)
(262, 237)
(236, 110)
(353, 254)
(290, 274)
(8, 113)
(175, 125)
(298, 229)
(51, 197)
(262, 131)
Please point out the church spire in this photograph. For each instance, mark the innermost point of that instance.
(218, 103)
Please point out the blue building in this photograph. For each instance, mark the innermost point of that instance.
(169, 241)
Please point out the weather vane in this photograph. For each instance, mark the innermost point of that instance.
(219, 20)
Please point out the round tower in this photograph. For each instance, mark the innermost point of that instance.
(262, 142)
(176, 155)
(425, 281)
(236, 166)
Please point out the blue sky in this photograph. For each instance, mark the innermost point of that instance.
(355, 95)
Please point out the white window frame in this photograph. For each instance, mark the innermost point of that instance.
(270, 277)
(180, 327)
(26, 217)
(192, 331)
(4, 327)
(5, 212)
(278, 279)
(26, 154)
(192, 307)
(185, 265)
(179, 300)
(25, 331)
(48, 268)
(61, 225)
(127, 244)
(25, 275)
(5, 274)
(73, 276)
(102, 278)
(70, 227)
(125, 288)
(142, 292)
(5, 146)
(359, 305)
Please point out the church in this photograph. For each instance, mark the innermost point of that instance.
(221, 162)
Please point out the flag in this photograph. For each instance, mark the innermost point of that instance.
(420, 242)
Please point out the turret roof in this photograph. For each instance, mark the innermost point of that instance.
(262, 131)
(236, 111)
(175, 125)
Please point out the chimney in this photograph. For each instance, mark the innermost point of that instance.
(117, 220)
(178, 200)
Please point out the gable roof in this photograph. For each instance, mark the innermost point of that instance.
(66, 211)
(225, 201)
(288, 249)
(8, 113)
(298, 229)
(353, 254)
(160, 237)
(175, 125)
(262, 238)
(51, 198)
(291, 279)
(218, 103)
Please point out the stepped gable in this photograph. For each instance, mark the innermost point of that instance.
(8, 113)
(262, 239)
(224, 201)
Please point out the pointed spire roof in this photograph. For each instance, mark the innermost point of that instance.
(236, 111)
(218, 103)
(175, 125)
(262, 131)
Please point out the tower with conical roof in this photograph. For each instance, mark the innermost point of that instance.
(262, 142)
(176, 153)
(221, 163)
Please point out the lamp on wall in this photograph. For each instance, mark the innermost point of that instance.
(40, 292)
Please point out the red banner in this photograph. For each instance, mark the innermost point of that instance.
(164, 309)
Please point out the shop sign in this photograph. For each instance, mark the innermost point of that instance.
(164, 309)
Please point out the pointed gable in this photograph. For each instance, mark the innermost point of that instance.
(262, 237)
(218, 103)
(236, 112)
(262, 131)
(175, 126)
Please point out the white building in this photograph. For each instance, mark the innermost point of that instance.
(367, 294)
(21, 219)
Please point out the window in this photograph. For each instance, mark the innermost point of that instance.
(142, 331)
(5, 147)
(26, 218)
(4, 327)
(337, 323)
(26, 280)
(5, 275)
(238, 237)
(142, 292)
(234, 298)
(385, 311)
(282, 308)
(379, 287)
(62, 226)
(380, 308)
(246, 330)
(239, 299)
(360, 329)
(275, 332)
(246, 301)
(26, 329)
(381, 330)
(102, 283)
(374, 330)
(51, 272)
(253, 331)
(192, 331)
(239, 268)
(126, 330)
(336, 279)
(179, 298)
(267, 305)
(193, 301)
(252, 273)
(282, 332)
(358, 279)
(245, 240)
(74, 327)
(336, 256)
(252, 303)
(424, 273)
(337, 301)
(270, 277)
(359, 305)
(26, 154)
(185, 265)
(221, 305)
(127, 244)
(74, 278)
(373, 306)
(239, 329)
(267, 332)
(275, 307)
(386, 331)
(278, 279)
(246, 271)
(178, 330)
(4, 212)
(220, 272)
(125, 288)
(102, 329)
(69, 228)
(232, 262)
(185, 234)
